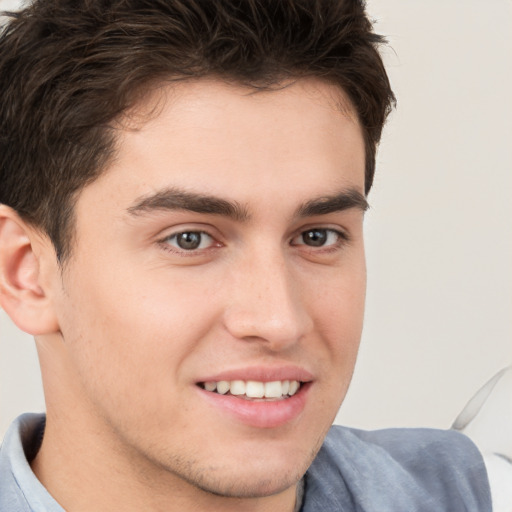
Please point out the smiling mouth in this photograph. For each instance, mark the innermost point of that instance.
(254, 390)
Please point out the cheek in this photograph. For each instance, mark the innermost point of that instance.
(339, 313)
(138, 331)
(339, 304)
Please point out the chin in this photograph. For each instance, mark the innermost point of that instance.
(252, 476)
(247, 483)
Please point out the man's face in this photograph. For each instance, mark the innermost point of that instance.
(221, 253)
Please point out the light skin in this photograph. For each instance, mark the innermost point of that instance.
(224, 242)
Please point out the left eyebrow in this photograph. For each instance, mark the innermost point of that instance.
(345, 200)
(177, 199)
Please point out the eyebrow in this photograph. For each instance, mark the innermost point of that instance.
(345, 200)
(177, 199)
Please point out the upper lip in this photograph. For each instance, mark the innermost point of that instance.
(262, 374)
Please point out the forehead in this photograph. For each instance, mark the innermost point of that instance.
(211, 89)
(225, 139)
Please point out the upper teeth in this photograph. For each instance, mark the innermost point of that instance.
(255, 389)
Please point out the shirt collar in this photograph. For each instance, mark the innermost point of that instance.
(18, 484)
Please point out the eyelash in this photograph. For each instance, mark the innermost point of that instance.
(341, 239)
(165, 243)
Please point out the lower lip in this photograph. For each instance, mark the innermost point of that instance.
(260, 414)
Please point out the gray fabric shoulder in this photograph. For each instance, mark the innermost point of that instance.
(20, 490)
(397, 470)
(12, 498)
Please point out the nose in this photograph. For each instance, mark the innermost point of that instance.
(266, 303)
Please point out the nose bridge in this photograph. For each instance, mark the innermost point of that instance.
(267, 303)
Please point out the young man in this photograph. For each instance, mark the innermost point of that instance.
(183, 186)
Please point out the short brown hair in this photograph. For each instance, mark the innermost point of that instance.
(69, 68)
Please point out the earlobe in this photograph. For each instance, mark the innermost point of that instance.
(21, 294)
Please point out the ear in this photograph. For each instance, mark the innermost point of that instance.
(22, 294)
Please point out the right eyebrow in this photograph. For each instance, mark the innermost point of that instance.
(345, 200)
(177, 199)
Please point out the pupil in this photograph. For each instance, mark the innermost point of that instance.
(315, 237)
(189, 241)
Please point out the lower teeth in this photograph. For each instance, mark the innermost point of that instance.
(262, 399)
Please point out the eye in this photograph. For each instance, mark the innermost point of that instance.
(319, 237)
(190, 240)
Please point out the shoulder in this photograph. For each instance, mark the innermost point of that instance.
(395, 470)
(20, 491)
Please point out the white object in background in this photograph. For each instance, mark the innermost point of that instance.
(487, 420)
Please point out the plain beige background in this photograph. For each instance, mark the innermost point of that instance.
(439, 234)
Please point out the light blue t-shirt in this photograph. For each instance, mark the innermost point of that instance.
(394, 470)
